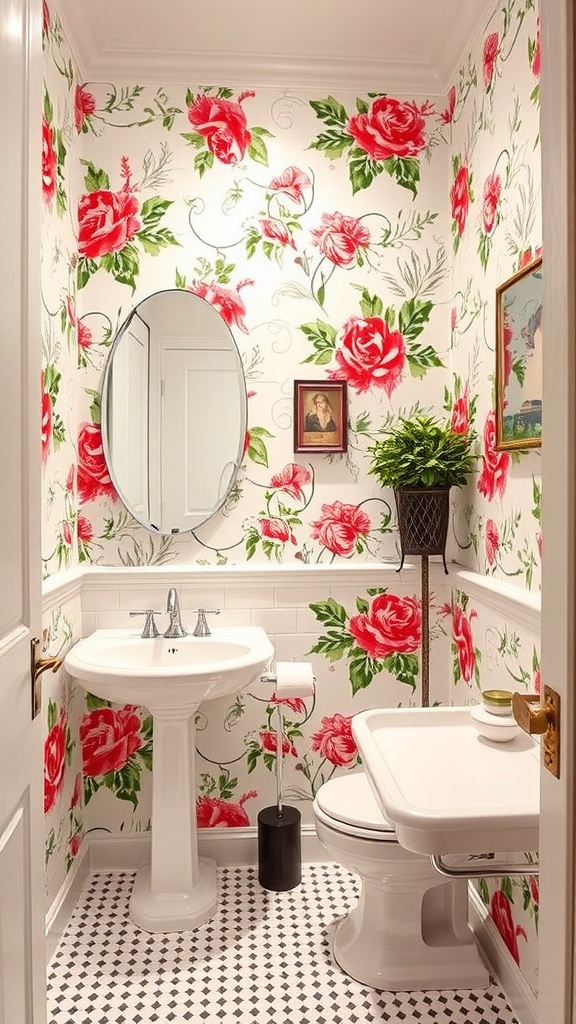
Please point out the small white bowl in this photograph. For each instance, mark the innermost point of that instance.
(498, 702)
(498, 728)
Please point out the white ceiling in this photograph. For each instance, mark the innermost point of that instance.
(407, 44)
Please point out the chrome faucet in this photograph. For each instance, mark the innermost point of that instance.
(202, 628)
(175, 627)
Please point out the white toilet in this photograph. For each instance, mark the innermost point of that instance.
(409, 929)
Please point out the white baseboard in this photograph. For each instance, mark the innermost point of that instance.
(518, 992)
(227, 846)
(66, 899)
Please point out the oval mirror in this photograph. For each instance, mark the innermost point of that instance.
(173, 411)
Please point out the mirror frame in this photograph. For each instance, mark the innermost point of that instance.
(104, 401)
(510, 340)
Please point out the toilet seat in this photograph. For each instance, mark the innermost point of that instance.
(348, 805)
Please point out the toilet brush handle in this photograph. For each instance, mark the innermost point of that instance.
(279, 737)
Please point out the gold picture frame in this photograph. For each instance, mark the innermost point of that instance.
(320, 416)
(519, 360)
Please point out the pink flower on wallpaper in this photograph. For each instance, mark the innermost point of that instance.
(391, 128)
(48, 163)
(340, 528)
(106, 222)
(539, 544)
(274, 529)
(84, 336)
(508, 335)
(293, 183)
(84, 106)
(492, 539)
(226, 300)
(93, 476)
(45, 18)
(46, 422)
(276, 231)
(494, 474)
(222, 123)
(528, 256)
(370, 355)
(490, 200)
(335, 742)
(71, 479)
(212, 812)
(392, 625)
(460, 198)
(453, 319)
(74, 844)
(535, 63)
(501, 914)
(292, 479)
(462, 636)
(296, 704)
(447, 115)
(534, 889)
(461, 414)
(67, 534)
(340, 238)
(85, 531)
(537, 681)
(109, 738)
(77, 791)
(54, 761)
(269, 746)
(490, 52)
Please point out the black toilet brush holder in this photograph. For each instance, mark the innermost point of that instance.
(279, 836)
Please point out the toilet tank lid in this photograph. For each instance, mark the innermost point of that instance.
(349, 799)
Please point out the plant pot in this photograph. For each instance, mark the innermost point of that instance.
(423, 517)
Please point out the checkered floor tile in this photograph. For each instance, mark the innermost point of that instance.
(264, 957)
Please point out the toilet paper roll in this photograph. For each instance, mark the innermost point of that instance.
(294, 679)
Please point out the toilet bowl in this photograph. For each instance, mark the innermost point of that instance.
(409, 929)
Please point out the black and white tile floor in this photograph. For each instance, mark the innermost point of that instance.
(264, 957)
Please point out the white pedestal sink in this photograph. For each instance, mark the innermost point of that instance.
(171, 677)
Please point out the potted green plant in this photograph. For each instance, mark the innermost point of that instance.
(421, 459)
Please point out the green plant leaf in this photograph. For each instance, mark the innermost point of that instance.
(95, 178)
(362, 670)
(330, 111)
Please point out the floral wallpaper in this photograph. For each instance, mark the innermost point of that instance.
(344, 237)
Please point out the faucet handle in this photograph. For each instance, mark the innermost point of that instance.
(150, 629)
(201, 628)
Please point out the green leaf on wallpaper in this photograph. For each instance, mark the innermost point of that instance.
(361, 670)
(333, 646)
(58, 431)
(194, 139)
(406, 170)
(145, 755)
(390, 317)
(61, 202)
(484, 891)
(179, 279)
(94, 703)
(203, 162)
(91, 786)
(252, 241)
(95, 178)
(153, 241)
(362, 170)
(52, 716)
(507, 888)
(363, 423)
(362, 106)
(412, 317)
(404, 667)
(362, 605)
(420, 358)
(252, 540)
(332, 143)
(257, 450)
(123, 265)
(262, 132)
(370, 305)
(330, 111)
(323, 337)
(330, 613)
(153, 210)
(95, 405)
(48, 109)
(537, 498)
(84, 270)
(258, 151)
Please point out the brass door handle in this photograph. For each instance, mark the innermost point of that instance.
(37, 667)
(541, 718)
(529, 713)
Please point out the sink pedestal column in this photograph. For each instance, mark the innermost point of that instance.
(177, 891)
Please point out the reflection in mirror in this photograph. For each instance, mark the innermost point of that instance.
(173, 411)
(519, 360)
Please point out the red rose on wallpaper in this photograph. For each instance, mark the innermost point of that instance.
(462, 634)
(494, 473)
(48, 163)
(335, 742)
(534, 889)
(54, 762)
(293, 183)
(222, 123)
(225, 300)
(447, 115)
(74, 844)
(527, 256)
(461, 415)
(85, 531)
(93, 476)
(268, 743)
(212, 812)
(67, 536)
(77, 791)
(291, 480)
(490, 200)
(371, 355)
(390, 128)
(45, 18)
(535, 63)
(460, 198)
(46, 421)
(106, 222)
(109, 738)
(276, 231)
(340, 238)
(274, 529)
(84, 106)
(492, 541)
(392, 625)
(501, 914)
(340, 527)
(489, 55)
(295, 704)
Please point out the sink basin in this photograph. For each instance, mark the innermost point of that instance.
(178, 889)
(118, 665)
(446, 788)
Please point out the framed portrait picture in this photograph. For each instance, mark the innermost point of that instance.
(320, 416)
(519, 360)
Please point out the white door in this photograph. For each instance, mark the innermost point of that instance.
(22, 956)
(559, 505)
